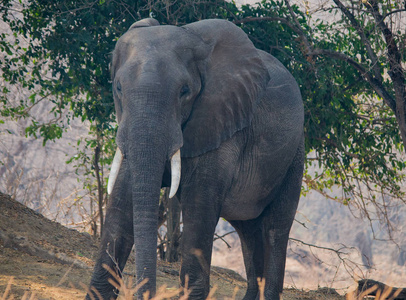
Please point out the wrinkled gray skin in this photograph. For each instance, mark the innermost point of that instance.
(237, 115)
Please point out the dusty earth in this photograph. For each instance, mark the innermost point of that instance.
(44, 258)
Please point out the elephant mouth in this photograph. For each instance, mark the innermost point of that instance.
(175, 172)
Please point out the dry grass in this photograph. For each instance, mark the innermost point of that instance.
(8, 296)
(127, 291)
(384, 294)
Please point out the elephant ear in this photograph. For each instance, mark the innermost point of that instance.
(234, 79)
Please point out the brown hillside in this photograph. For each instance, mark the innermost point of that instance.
(54, 262)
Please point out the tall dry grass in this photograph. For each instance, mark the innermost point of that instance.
(127, 291)
(8, 296)
(380, 294)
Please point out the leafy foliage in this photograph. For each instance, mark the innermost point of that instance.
(353, 124)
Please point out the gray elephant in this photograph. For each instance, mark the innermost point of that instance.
(202, 101)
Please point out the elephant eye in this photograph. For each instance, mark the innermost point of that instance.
(184, 91)
(118, 86)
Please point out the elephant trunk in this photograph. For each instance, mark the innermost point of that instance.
(147, 141)
(146, 177)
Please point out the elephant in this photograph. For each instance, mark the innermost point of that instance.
(201, 110)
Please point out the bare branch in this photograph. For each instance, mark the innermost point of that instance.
(221, 237)
(310, 183)
(337, 251)
(393, 12)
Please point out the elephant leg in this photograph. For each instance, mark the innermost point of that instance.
(117, 238)
(199, 224)
(277, 221)
(251, 237)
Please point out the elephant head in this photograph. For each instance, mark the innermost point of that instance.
(178, 92)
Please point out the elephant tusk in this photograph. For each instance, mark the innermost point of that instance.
(115, 168)
(175, 171)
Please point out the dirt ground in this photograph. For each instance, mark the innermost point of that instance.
(44, 258)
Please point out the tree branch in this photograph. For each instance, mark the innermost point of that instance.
(375, 83)
(218, 237)
(299, 29)
(338, 251)
(396, 72)
(365, 41)
(99, 183)
(394, 12)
